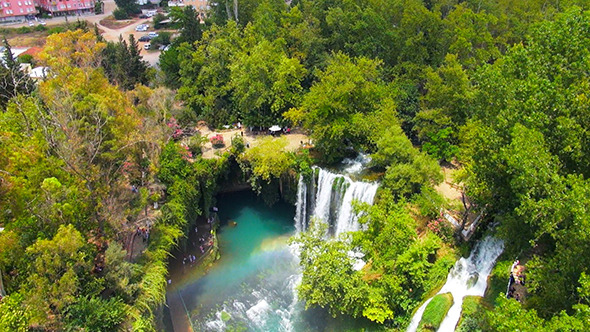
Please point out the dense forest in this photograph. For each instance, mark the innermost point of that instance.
(498, 87)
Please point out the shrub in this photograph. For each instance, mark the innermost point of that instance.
(472, 319)
(194, 144)
(40, 28)
(120, 14)
(23, 30)
(217, 141)
(237, 144)
(56, 30)
(26, 58)
(441, 227)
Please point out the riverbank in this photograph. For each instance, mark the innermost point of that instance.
(203, 261)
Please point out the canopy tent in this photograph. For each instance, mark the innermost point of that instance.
(275, 128)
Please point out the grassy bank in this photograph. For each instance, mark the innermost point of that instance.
(472, 314)
(435, 312)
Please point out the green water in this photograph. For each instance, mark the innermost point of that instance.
(252, 286)
(250, 282)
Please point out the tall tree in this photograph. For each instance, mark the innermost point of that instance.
(188, 21)
(265, 83)
(205, 74)
(13, 80)
(123, 63)
(335, 107)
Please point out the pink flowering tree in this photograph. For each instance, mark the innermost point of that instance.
(176, 130)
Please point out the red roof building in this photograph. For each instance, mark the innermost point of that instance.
(16, 10)
(69, 7)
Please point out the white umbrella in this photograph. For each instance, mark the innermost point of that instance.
(274, 128)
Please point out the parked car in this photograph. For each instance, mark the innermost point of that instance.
(152, 34)
(143, 16)
(31, 23)
(141, 27)
(42, 23)
(145, 38)
(147, 46)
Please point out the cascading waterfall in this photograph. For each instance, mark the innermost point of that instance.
(269, 301)
(332, 201)
(468, 277)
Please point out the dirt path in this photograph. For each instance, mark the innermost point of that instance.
(448, 188)
(294, 140)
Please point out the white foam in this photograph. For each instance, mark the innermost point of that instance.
(258, 313)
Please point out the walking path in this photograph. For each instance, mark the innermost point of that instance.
(294, 139)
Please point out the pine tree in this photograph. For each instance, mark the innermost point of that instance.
(13, 80)
(137, 66)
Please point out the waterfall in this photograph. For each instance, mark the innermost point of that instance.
(331, 201)
(468, 277)
(360, 191)
(300, 208)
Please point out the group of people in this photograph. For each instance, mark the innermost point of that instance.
(517, 277)
(191, 259)
(144, 232)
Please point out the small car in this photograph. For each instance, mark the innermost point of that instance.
(145, 38)
(147, 46)
(42, 23)
(152, 34)
(143, 16)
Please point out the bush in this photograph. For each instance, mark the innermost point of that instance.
(442, 228)
(24, 30)
(40, 28)
(26, 58)
(56, 30)
(472, 319)
(194, 145)
(120, 14)
(237, 145)
(217, 141)
(435, 312)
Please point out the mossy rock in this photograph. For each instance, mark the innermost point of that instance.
(435, 312)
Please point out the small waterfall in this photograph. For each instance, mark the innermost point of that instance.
(332, 201)
(323, 197)
(469, 276)
(360, 191)
(300, 208)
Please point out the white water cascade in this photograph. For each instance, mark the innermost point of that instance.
(468, 277)
(331, 200)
